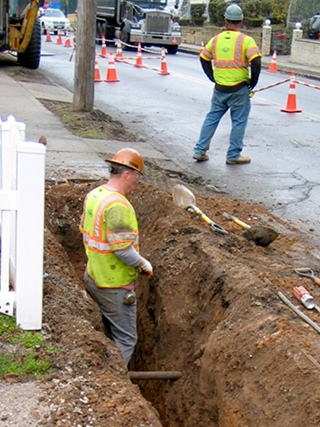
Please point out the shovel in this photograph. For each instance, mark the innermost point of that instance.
(184, 198)
(307, 272)
(262, 236)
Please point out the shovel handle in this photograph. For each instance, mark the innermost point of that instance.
(307, 272)
(213, 225)
(201, 214)
(236, 220)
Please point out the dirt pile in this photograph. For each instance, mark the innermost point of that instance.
(211, 311)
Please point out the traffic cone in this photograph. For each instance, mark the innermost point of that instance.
(48, 38)
(202, 46)
(67, 41)
(291, 103)
(97, 77)
(59, 39)
(119, 54)
(273, 65)
(111, 73)
(103, 53)
(164, 70)
(138, 63)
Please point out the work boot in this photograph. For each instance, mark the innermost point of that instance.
(201, 158)
(240, 161)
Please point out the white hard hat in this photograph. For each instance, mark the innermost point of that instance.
(233, 13)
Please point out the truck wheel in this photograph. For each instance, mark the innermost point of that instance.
(172, 50)
(31, 57)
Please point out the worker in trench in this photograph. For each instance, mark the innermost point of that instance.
(111, 240)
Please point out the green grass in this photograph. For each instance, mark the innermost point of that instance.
(23, 352)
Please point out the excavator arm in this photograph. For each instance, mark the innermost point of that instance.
(21, 33)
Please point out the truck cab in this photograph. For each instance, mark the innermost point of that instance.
(148, 22)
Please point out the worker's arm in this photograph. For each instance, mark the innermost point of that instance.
(255, 65)
(131, 257)
(207, 68)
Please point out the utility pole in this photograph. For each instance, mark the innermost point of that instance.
(83, 86)
(289, 13)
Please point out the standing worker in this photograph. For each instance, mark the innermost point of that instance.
(111, 240)
(232, 53)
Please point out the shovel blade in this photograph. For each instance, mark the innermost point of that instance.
(183, 197)
(262, 236)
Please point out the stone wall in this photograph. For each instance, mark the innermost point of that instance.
(195, 35)
(304, 51)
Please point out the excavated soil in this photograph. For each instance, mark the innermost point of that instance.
(210, 311)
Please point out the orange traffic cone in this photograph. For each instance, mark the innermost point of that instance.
(291, 103)
(59, 39)
(119, 54)
(48, 38)
(111, 73)
(103, 53)
(164, 70)
(202, 46)
(273, 64)
(67, 41)
(97, 77)
(138, 63)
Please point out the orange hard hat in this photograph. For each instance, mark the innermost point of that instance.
(128, 157)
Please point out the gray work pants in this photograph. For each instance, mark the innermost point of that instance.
(119, 319)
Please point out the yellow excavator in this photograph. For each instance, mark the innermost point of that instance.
(20, 31)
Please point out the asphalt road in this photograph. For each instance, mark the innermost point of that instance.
(169, 111)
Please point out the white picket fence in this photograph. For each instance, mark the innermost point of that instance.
(22, 180)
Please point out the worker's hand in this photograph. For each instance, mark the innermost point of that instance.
(146, 267)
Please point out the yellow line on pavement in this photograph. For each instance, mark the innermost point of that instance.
(193, 79)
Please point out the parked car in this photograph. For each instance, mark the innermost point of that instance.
(314, 27)
(54, 20)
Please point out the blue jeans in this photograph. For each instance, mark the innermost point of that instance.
(239, 104)
(119, 319)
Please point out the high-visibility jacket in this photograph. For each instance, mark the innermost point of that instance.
(231, 52)
(109, 224)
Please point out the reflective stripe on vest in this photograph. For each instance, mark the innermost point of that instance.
(232, 52)
(97, 241)
(238, 60)
(101, 240)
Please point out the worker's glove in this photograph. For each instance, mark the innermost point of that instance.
(147, 268)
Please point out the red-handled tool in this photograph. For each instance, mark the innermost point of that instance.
(306, 298)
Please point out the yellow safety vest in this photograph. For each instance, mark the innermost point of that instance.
(231, 52)
(109, 224)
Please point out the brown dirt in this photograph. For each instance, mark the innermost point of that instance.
(211, 311)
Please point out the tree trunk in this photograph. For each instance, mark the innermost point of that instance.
(83, 87)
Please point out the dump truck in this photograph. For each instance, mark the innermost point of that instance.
(20, 31)
(148, 22)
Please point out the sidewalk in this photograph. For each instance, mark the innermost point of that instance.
(283, 62)
(68, 157)
(72, 157)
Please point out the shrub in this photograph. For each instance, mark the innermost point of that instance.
(216, 11)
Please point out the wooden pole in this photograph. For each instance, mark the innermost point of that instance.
(83, 87)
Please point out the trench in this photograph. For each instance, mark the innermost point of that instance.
(178, 309)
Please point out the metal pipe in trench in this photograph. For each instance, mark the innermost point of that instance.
(155, 375)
